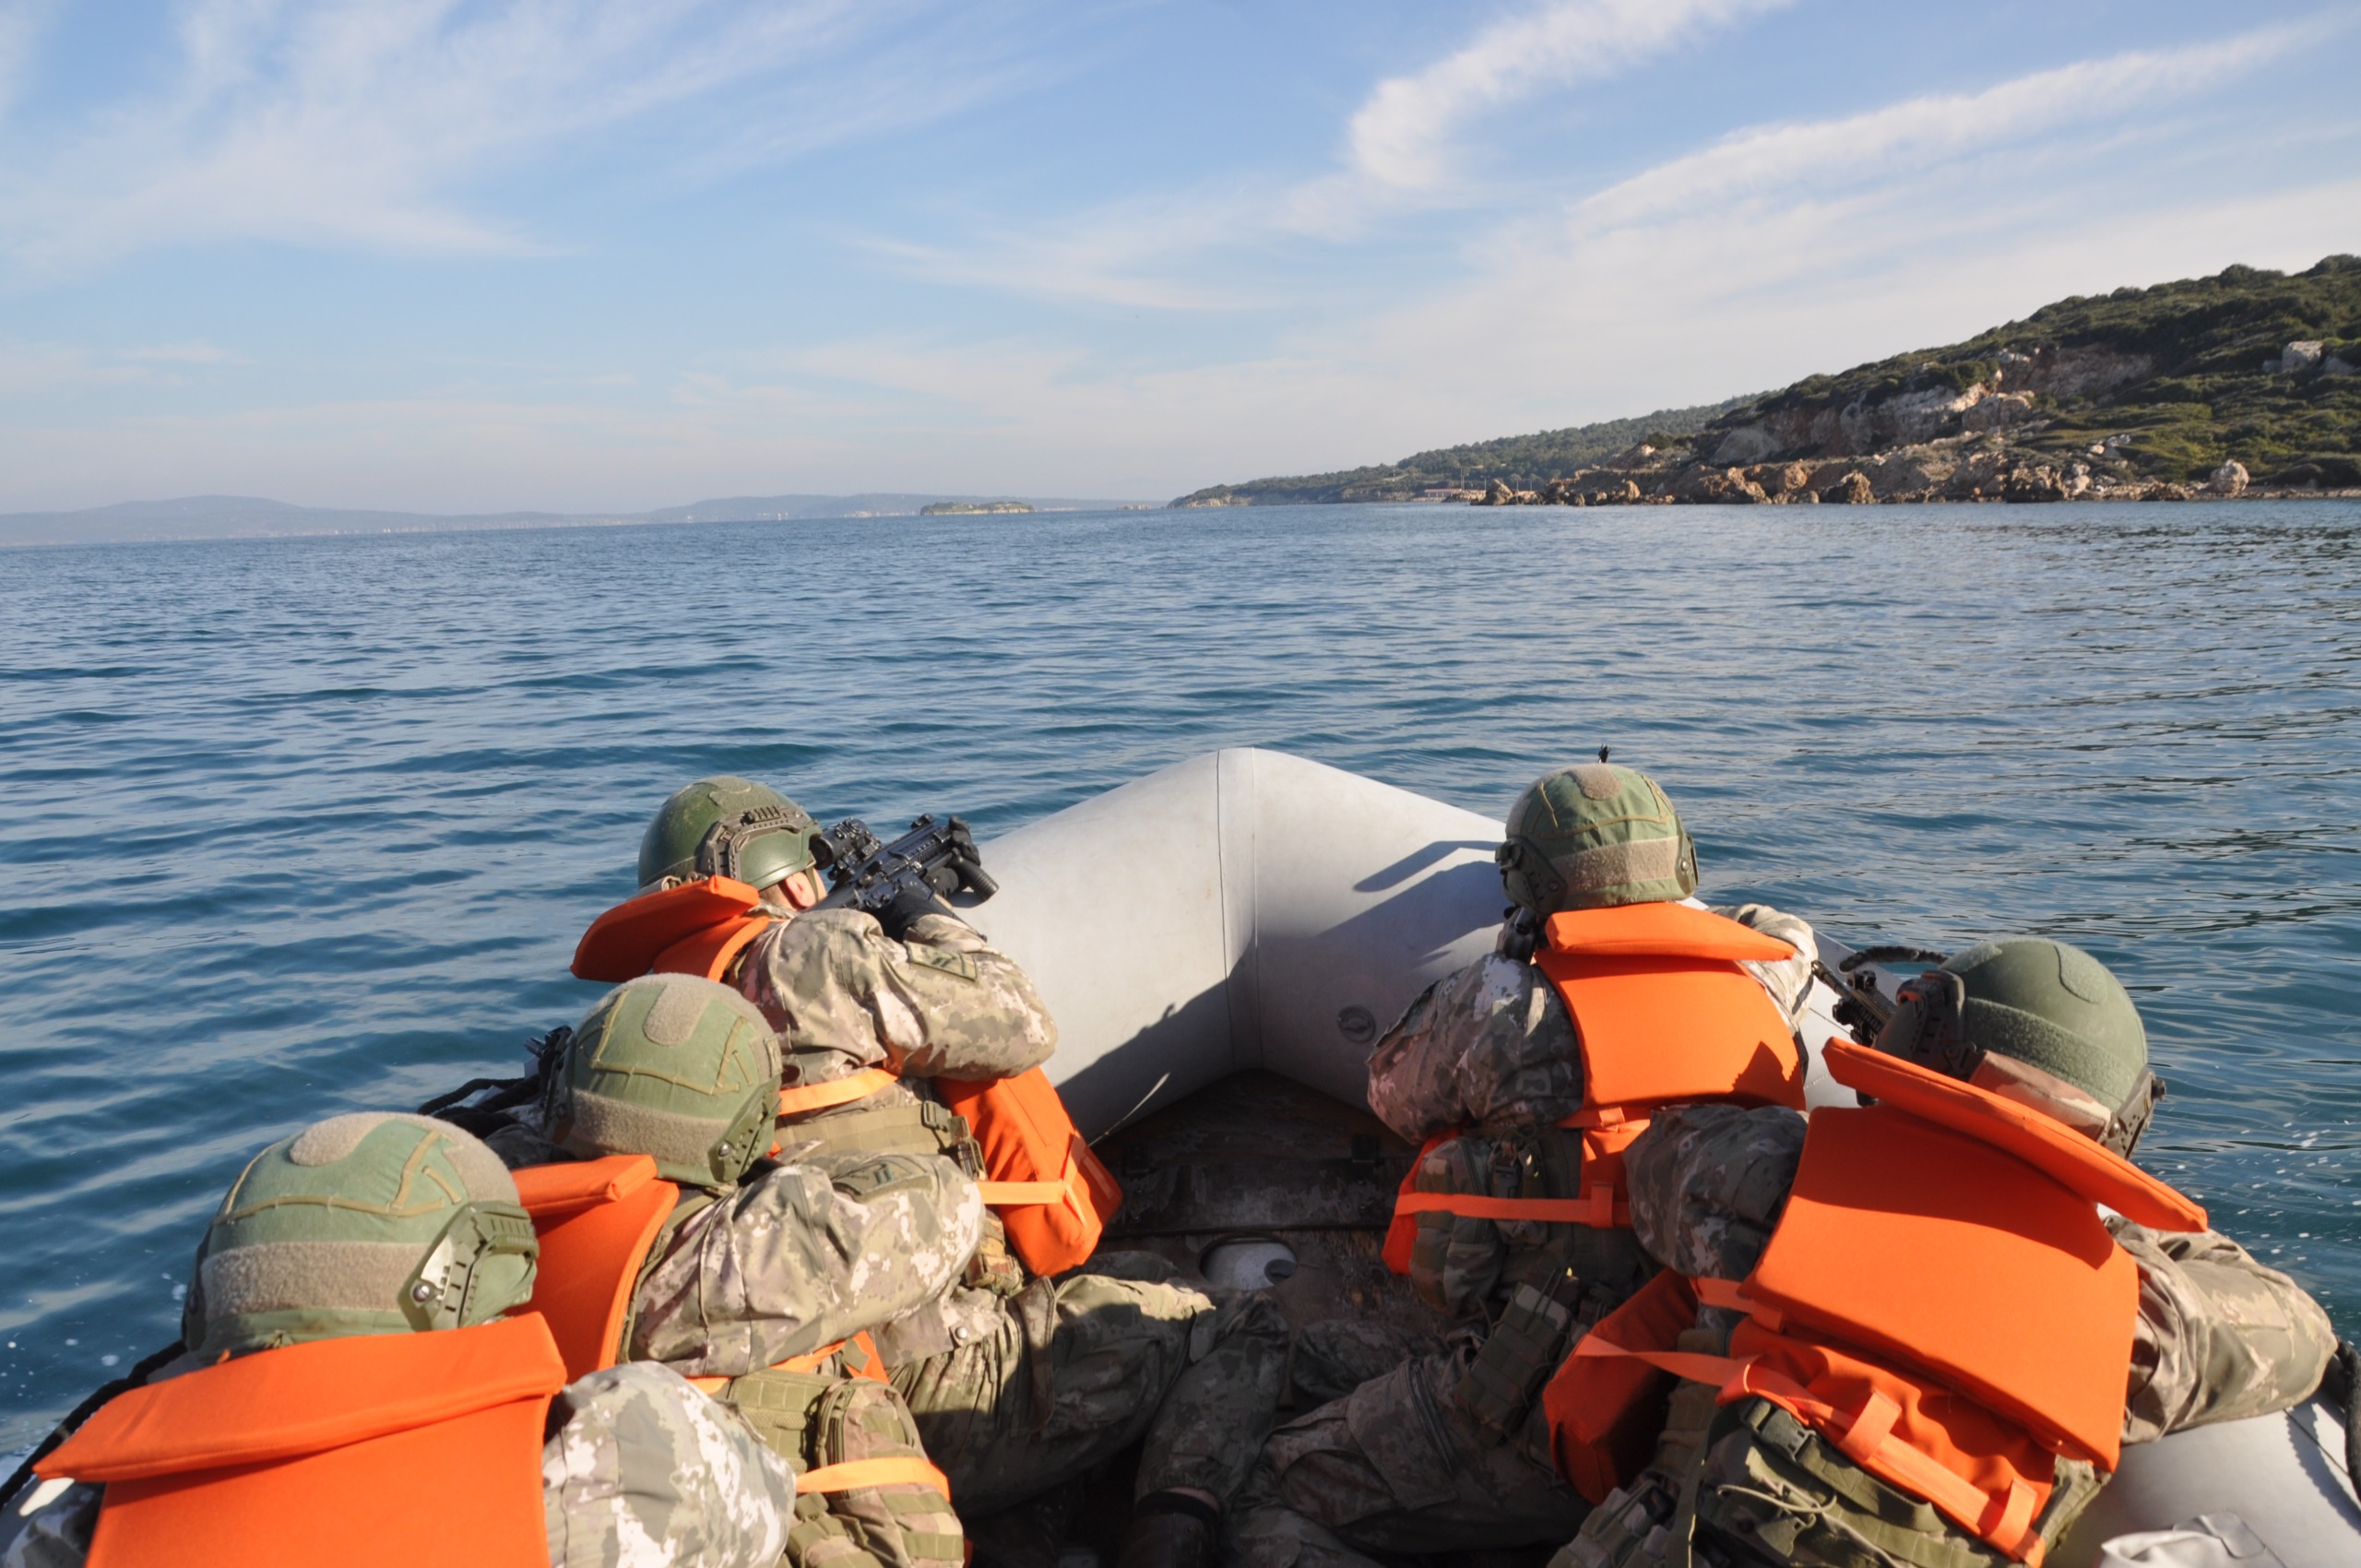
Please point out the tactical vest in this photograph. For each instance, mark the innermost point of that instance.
(600, 1221)
(1051, 1193)
(372, 1451)
(1664, 1015)
(1940, 1302)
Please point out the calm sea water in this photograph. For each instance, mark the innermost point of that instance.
(298, 826)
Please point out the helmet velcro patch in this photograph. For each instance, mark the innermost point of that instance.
(1613, 865)
(273, 1276)
(602, 1125)
(480, 1171)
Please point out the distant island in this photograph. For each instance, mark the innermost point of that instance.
(246, 517)
(2246, 382)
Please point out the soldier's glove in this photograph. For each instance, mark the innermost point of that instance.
(914, 899)
(994, 1267)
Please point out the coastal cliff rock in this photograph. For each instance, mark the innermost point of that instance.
(2139, 393)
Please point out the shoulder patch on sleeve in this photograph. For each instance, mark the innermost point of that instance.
(940, 959)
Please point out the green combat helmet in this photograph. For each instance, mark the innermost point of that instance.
(678, 1067)
(2039, 1005)
(727, 826)
(1593, 835)
(371, 1223)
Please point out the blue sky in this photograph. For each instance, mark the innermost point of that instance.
(579, 254)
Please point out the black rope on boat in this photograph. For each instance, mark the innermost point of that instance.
(504, 1094)
(2341, 1384)
(137, 1376)
(1893, 953)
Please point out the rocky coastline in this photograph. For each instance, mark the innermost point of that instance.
(2246, 385)
(1929, 471)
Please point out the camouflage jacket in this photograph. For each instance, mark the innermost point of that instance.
(639, 1470)
(800, 1258)
(845, 996)
(1490, 1046)
(2219, 1336)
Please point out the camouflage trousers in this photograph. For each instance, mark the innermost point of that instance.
(1400, 1466)
(1080, 1367)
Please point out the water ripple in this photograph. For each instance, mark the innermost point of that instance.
(299, 826)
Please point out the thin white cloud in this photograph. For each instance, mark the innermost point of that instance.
(1406, 146)
(194, 350)
(1918, 133)
(1404, 135)
(21, 22)
(377, 122)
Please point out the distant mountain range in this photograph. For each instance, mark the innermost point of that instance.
(246, 517)
(2140, 393)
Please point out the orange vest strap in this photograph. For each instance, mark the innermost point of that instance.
(1001, 1194)
(1865, 1434)
(1729, 1293)
(301, 1400)
(869, 1365)
(795, 1102)
(1401, 1231)
(1600, 1208)
(907, 1470)
(1695, 1366)
(1596, 1116)
(1028, 1140)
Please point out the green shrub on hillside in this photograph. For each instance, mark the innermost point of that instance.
(2206, 397)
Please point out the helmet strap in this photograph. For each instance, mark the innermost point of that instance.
(2131, 1121)
(1542, 883)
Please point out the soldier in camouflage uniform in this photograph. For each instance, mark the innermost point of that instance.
(761, 1271)
(1449, 1451)
(2218, 1336)
(1017, 1384)
(639, 1469)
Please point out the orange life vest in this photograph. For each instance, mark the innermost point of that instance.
(697, 927)
(373, 1451)
(597, 1218)
(1664, 1015)
(1941, 1301)
(1051, 1193)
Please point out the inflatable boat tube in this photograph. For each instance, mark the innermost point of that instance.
(1251, 910)
(1247, 908)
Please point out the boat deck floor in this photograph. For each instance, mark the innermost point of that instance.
(1254, 1169)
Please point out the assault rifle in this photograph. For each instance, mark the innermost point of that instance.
(1861, 1008)
(933, 858)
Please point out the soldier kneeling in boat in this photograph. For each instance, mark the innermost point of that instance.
(905, 1035)
(1525, 1076)
(353, 1393)
(1925, 1342)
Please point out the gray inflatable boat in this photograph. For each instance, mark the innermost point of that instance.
(1213, 1037)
